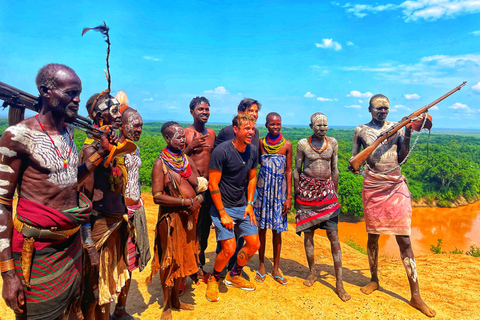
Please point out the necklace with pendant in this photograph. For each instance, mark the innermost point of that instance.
(53, 143)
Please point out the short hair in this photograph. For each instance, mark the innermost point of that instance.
(167, 125)
(198, 100)
(314, 116)
(376, 97)
(46, 76)
(247, 103)
(240, 119)
(272, 114)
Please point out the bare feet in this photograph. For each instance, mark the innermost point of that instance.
(166, 314)
(369, 288)
(183, 306)
(342, 294)
(310, 280)
(420, 305)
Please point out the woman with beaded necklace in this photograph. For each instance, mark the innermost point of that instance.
(274, 193)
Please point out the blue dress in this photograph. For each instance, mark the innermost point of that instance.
(271, 193)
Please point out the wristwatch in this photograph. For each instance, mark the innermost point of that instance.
(250, 203)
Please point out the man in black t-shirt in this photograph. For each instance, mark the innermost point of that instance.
(247, 106)
(233, 167)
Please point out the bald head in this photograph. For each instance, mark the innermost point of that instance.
(317, 116)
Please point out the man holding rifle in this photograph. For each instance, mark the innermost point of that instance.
(40, 247)
(386, 198)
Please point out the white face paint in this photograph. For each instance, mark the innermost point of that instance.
(4, 244)
(3, 228)
(7, 152)
(40, 148)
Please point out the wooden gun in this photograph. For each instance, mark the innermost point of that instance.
(361, 157)
(19, 100)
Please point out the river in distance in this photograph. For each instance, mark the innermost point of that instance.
(457, 227)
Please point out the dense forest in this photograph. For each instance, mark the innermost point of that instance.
(451, 172)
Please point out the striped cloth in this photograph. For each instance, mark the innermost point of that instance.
(316, 202)
(56, 264)
(386, 204)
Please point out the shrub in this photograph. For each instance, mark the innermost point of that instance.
(353, 244)
(438, 248)
(474, 251)
(456, 251)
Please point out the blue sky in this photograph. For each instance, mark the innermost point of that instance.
(295, 57)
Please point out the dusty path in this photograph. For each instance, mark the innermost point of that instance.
(449, 284)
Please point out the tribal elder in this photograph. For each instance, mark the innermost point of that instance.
(175, 185)
(41, 249)
(233, 169)
(316, 185)
(199, 146)
(386, 198)
(109, 220)
(274, 193)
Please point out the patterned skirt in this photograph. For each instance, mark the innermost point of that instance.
(316, 202)
(271, 193)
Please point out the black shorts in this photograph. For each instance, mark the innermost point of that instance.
(331, 224)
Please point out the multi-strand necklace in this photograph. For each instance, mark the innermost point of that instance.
(54, 146)
(324, 147)
(273, 145)
(178, 162)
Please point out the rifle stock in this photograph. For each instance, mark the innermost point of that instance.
(357, 160)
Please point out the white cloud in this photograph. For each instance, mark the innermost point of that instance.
(329, 44)
(399, 107)
(358, 94)
(172, 107)
(435, 70)
(459, 106)
(414, 10)
(412, 96)
(476, 33)
(350, 43)
(148, 99)
(476, 88)
(152, 58)
(434, 108)
(354, 106)
(309, 95)
(324, 99)
(217, 90)
(360, 101)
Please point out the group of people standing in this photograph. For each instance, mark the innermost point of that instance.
(80, 227)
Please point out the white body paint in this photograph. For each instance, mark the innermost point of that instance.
(411, 268)
(7, 152)
(40, 148)
(3, 228)
(133, 164)
(4, 244)
(5, 168)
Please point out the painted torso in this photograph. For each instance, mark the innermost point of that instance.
(133, 164)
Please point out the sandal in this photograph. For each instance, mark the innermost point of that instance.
(260, 277)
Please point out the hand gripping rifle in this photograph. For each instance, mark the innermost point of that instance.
(19, 100)
(360, 158)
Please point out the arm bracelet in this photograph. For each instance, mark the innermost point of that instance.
(7, 265)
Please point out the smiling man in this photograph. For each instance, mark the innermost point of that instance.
(199, 146)
(233, 169)
(316, 184)
(386, 198)
(40, 247)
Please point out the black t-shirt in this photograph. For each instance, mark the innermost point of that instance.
(227, 133)
(234, 166)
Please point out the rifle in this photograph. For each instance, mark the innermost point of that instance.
(360, 158)
(19, 100)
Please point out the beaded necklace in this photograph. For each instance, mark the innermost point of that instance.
(273, 145)
(178, 162)
(324, 147)
(54, 146)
